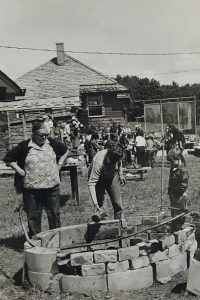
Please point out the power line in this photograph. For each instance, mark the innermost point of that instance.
(116, 53)
(167, 73)
(105, 53)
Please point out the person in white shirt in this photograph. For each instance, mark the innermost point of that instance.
(140, 148)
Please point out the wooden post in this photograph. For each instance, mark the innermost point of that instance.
(9, 130)
(145, 125)
(163, 165)
(178, 114)
(195, 114)
(24, 125)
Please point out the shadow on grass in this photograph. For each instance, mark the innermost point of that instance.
(16, 243)
(64, 199)
(18, 277)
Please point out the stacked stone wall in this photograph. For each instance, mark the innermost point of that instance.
(61, 261)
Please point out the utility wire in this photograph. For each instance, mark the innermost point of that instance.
(166, 73)
(117, 53)
(104, 53)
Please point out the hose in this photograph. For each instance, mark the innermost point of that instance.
(100, 242)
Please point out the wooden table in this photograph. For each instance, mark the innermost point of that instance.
(134, 171)
(74, 180)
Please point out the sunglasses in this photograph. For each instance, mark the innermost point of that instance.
(42, 135)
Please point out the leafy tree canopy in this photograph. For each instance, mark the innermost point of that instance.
(145, 88)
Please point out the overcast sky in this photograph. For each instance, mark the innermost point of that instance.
(142, 26)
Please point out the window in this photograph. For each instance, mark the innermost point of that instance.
(95, 105)
(2, 93)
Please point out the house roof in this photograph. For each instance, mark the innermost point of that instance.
(102, 88)
(8, 82)
(51, 80)
(40, 104)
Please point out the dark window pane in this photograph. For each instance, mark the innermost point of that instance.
(2, 93)
(95, 111)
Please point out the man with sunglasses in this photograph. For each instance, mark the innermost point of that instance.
(37, 163)
(105, 174)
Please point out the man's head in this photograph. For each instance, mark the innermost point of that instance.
(39, 133)
(115, 152)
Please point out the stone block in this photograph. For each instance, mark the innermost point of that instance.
(130, 230)
(68, 252)
(180, 236)
(143, 236)
(84, 258)
(124, 242)
(50, 239)
(159, 255)
(150, 220)
(74, 234)
(135, 241)
(176, 249)
(163, 270)
(167, 241)
(105, 256)
(41, 260)
(93, 270)
(157, 235)
(104, 246)
(44, 281)
(119, 266)
(137, 220)
(139, 262)
(128, 253)
(179, 263)
(193, 285)
(130, 280)
(103, 230)
(80, 284)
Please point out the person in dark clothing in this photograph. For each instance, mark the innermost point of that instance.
(167, 139)
(93, 146)
(37, 162)
(177, 137)
(178, 183)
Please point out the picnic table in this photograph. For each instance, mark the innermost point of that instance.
(141, 171)
(72, 168)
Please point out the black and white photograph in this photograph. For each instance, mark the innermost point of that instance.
(99, 149)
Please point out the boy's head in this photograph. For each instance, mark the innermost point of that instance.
(174, 156)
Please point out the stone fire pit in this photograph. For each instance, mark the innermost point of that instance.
(129, 264)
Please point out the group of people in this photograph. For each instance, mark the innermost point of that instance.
(65, 131)
(37, 162)
(139, 151)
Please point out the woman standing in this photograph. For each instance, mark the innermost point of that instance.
(37, 163)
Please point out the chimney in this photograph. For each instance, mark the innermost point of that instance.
(60, 54)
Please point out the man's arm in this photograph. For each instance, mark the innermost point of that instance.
(95, 174)
(122, 178)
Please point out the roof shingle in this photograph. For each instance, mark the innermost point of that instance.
(50, 80)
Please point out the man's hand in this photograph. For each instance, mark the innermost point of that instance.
(122, 179)
(97, 208)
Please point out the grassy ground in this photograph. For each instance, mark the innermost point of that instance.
(139, 197)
